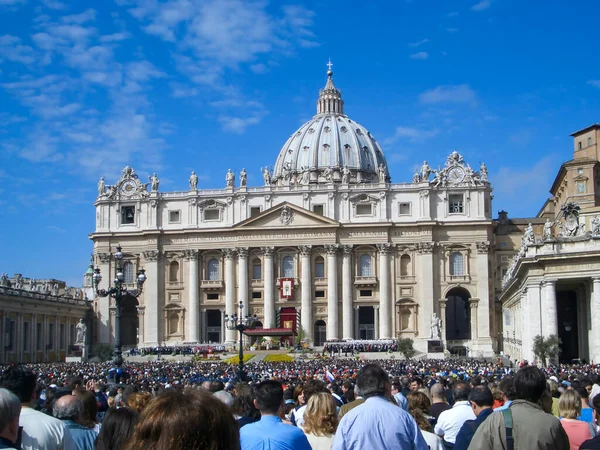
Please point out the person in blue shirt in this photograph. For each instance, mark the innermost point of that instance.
(481, 400)
(270, 433)
(507, 387)
(377, 424)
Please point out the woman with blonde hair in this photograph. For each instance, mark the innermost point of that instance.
(418, 403)
(569, 408)
(320, 421)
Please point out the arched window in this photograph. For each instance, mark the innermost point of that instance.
(213, 269)
(319, 267)
(365, 266)
(287, 267)
(128, 272)
(405, 265)
(173, 323)
(457, 266)
(174, 271)
(405, 319)
(256, 269)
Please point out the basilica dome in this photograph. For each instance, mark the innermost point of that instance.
(330, 148)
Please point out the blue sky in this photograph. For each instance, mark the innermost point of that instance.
(180, 85)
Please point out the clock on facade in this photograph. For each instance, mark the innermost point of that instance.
(456, 175)
(128, 187)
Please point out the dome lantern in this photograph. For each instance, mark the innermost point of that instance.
(330, 98)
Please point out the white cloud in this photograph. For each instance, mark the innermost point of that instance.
(259, 68)
(11, 2)
(11, 49)
(482, 5)
(54, 4)
(452, 30)
(419, 43)
(411, 134)
(595, 83)
(420, 55)
(115, 37)
(238, 124)
(461, 93)
(88, 15)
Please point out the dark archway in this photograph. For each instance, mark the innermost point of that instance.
(568, 331)
(320, 333)
(129, 320)
(458, 314)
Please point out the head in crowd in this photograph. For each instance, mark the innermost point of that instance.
(243, 404)
(186, 419)
(312, 387)
(90, 407)
(580, 388)
(461, 391)
(320, 417)
(437, 393)
(507, 386)
(530, 384)
(225, 397)
(68, 407)
(373, 381)
(117, 427)
(299, 395)
(127, 393)
(216, 386)
(596, 408)
(10, 410)
(569, 404)
(416, 384)
(268, 397)
(481, 398)
(418, 404)
(139, 400)
(74, 383)
(20, 382)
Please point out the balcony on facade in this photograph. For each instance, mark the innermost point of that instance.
(405, 279)
(212, 284)
(320, 281)
(178, 285)
(361, 281)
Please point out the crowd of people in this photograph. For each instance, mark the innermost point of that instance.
(306, 404)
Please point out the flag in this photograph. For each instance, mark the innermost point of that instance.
(329, 376)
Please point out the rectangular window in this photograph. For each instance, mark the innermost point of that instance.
(26, 336)
(61, 337)
(254, 211)
(364, 210)
(404, 209)
(320, 269)
(579, 145)
(589, 141)
(8, 332)
(174, 216)
(455, 203)
(256, 295)
(319, 294)
(256, 271)
(318, 209)
(366, 293)
(212, 296)
(212, 214)
(38, 337)
(580, 171)
(581, 187)
(50, 344)
(127, 215)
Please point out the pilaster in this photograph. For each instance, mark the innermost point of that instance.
(193, 332)
(269, 287)
(384, 291)
(230, 309)
(306, 291)
(347, 311)
(332, 292)
(154, 324)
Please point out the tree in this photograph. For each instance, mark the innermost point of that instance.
(102, 351)
(544, 348)
(301, 335)
(405, 346)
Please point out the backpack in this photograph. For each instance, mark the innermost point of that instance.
(508, 426)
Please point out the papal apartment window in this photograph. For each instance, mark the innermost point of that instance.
(212, 214)
(580, 171)
(456, 204)
(319, 267)
(581, 187)
(579, 145)
(404, 209)
(174, 216)
(318, 209)
(254, 211)
(457, 266)
(589, 141)
(364, 210)
(128, 215)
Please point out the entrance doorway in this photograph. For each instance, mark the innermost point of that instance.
(320, 333)
(366, 322)
(213, 325)
(568, 330)
(129, 320)
(458, 315)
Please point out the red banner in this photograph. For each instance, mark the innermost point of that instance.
(286, 285)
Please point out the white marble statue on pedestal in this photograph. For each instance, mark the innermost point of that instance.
(81, 333)
(154, 182)
(547, 230)
(266, 175)
(243, 178)
(425, 171)
(435, 328)
(229, 179)
(193, 181)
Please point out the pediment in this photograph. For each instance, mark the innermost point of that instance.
(364, 198)
(287, 215)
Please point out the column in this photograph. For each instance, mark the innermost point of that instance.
(243, 277)
(484, 338)
(193, 331)
(376, 311)
(595, 320)
(141, 322)
(269, 287)
(356, 324)
(385, 302)
(230, 304)
(306, 292)
(425, 250)
(347, 322)
(332, 292)
(474, 305)
(154, 314)
(550, 320)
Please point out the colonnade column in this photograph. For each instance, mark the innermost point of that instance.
(306, 292)
(230, 304)
(332, 292)
(269, 288)
(425, 250)
(154, 314)
(384, 291)
(243, 277)
(377, 319)
(550, 320)
(474, 306)
(193, 332)
(595, 319)
(347, 322)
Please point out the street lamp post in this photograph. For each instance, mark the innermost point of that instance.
(117, 292)
(241, 324)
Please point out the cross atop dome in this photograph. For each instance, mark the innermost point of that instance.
(330, 98)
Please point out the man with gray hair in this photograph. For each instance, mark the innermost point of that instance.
(10, 410)
(69, 409)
